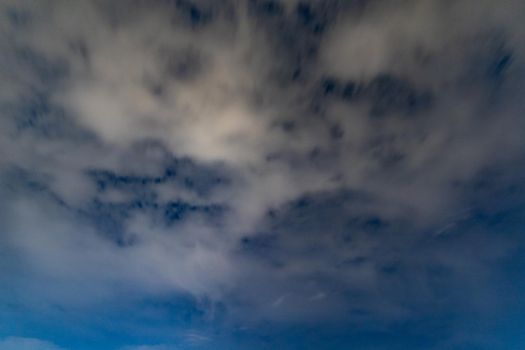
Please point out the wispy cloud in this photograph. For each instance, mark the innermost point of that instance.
(310, 154)
(17, 343)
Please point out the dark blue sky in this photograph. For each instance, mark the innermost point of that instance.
(262, 174)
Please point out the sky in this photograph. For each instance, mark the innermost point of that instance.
(262, 174)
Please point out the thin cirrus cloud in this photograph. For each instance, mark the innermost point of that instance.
(16, 343)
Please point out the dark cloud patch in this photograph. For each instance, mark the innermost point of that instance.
(142, 195)
(184, 65)
(36, 114)
(500, 64)
(108, 179)
(201, 180)
(111, 218)
(178, 211)
(80, 48)
(48, 71)
(385, 94)
(315, 16)
(271, 8)
(108, 219)
(260, 245)
(17, 179)
(321, 220)
(410, 270)
(17, 17)
(491, 61)
(384, 151)
(194, 13)
(391, 94)
(294, 31)
(494, 197)
(336, 132)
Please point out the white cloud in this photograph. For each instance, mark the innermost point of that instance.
(18, 343)
(149, 347)
(226, 114)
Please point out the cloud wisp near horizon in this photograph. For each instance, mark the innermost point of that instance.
(255, 174)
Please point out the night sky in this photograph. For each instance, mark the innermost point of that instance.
(262, 174)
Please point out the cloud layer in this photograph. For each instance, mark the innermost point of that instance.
(289, 162)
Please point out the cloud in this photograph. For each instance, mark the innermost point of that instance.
(288, 159)
(148, 347)
(17, 343)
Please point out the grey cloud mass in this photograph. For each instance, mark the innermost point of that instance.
(274, 161)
